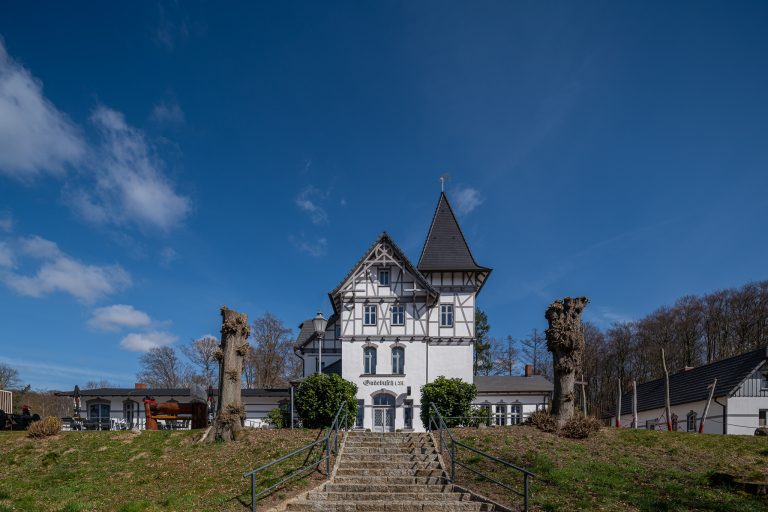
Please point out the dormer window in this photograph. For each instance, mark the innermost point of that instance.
(384, 277)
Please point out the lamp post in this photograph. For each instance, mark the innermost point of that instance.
(319, 323)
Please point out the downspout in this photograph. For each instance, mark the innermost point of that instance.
(725, 416)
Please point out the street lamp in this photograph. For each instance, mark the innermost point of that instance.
(319, 323)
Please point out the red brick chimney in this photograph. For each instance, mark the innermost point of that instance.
(529, 370)
(139, 385)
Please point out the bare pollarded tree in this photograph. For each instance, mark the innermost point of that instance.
(234, 347)
(565, 339)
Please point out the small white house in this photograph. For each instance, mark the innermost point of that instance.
(739, 405)
(123, 408)
(509, 400)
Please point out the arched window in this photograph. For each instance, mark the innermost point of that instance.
(398, 361)
(384, 399)
(369, 360)
(691, 422)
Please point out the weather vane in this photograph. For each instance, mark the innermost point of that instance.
(443, 178)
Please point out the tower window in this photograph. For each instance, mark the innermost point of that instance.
(383, 277)
(446, 315)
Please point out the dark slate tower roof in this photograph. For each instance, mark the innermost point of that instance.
(445, 247)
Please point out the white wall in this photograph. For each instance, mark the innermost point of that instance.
(713, 424)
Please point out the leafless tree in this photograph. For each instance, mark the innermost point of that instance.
(271, 363)
(534, 352)
(9, 377)
(162, 368)
(96, 384)
(200, 353)
(504, 356)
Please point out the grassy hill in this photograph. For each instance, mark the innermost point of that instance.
(626, 470)
(613, 471)
(126, 472)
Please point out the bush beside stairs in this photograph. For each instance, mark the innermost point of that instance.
(388, 472)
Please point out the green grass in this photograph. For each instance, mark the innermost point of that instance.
(151, 471)
(627, 470)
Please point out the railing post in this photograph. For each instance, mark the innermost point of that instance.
(525, 486)
(328, 457)
(253, 492)
(453, 462)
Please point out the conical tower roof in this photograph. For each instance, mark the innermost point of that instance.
(445, 248)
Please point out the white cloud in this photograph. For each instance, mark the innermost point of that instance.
(144, 341)
(168, 112)
(6, 222)
(35, 137)
(6, 256)
(118, 316)
(130, 186)
(168, 255)
(59, 272)
(313, 248)
(308, 200)
(466, 199)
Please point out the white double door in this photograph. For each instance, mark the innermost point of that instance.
(383, 418)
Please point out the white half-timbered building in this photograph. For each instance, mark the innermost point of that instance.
(396, 326)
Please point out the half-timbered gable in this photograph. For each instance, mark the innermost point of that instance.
(383, 295)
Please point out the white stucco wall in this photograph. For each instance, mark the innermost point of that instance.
(713, 424)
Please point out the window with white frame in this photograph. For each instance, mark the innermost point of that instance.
(99, 410)
(369, 317)
(446, 315)
(360, 418)
(501, 414)
(691, 422)
(398, 361)
(384, 277)
(515, 414)
(369, 360)
(398, 315)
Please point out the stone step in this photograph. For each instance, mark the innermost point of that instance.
(389, 457)
(388, 506)
(387, 496)
(389, 480)
(359, 487)
(378, 472)
(386, 464)
(388, 450)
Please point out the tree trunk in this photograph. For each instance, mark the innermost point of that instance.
(565, 339)
(230, 412)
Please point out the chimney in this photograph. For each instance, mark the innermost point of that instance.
(528, 370)
(139, 385)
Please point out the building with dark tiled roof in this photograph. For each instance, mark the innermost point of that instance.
(739, 404)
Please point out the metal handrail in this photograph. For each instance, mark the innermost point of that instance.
(449, 444)
(331, 447)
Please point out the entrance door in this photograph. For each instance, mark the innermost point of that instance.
(383, 413)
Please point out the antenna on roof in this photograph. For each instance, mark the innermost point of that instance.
(443, 178)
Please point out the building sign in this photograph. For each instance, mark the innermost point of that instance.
(383, 382)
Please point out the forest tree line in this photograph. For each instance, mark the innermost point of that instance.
(694, 331)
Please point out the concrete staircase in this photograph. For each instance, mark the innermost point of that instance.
(388, 473)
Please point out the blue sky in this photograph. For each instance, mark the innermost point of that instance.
(159, 161)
